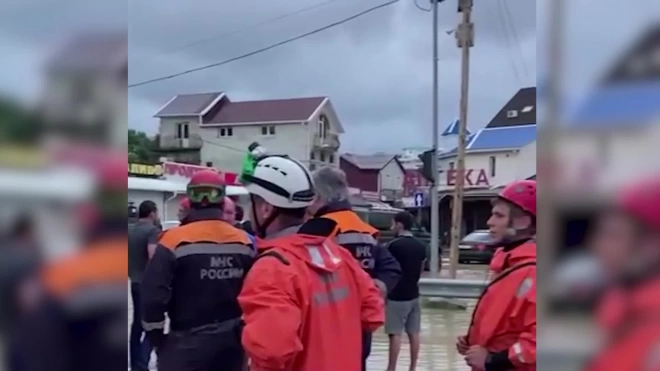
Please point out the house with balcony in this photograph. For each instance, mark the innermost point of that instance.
(210, 129)
(380, 177)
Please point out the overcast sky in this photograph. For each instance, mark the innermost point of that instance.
(376, 69)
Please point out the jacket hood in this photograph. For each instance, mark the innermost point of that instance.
(507, 257)
(312, 244)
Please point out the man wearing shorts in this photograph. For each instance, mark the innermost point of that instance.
(403, 312)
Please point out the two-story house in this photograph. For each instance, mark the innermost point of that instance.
(501, 152)
(380, 175)
(85, 91)
(210, 129)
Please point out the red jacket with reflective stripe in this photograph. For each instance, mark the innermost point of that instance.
(505, 316)
(306, 309)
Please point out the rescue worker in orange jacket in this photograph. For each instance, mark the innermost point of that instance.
(195, 277)
(358, 237)
(627, 245)
(76, 315)
(306, 300)
(502, 334)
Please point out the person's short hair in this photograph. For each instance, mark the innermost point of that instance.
(405, 218)
(146, 208)
(515, 211)
(330, 184)
(239, 213)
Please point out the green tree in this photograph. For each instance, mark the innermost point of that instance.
(18, 124)
(140, 147)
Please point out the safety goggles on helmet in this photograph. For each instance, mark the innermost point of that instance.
(209, 193)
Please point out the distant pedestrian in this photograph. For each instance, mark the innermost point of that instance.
(229, 211)
(142, 241)
(403, 312)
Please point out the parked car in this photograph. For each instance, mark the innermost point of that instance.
(475, 248)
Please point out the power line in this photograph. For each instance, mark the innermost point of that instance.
(235, 31)
(273, 46)
(507, 40)
(516, 40)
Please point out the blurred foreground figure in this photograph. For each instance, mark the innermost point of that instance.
(502, 335)
(306, 301)
(627, 244)
(79, 319)
(195, 277)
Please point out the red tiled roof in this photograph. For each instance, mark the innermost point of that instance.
(188, 104)
(282, 110)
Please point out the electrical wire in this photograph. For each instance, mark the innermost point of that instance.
(258, 51)
(233, 32)
(507, 40)
(421, 7)
(516, 40)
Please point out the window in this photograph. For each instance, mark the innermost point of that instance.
(381, 220)
(182, 130)
(209, 163)
(312, 166)
(323, 126)
(332, 159)
(322, 157)
(491, 165)
(267, 130)
(512, 114)
(225, 132)
(527, 109)
(451, 166)
(311, 156)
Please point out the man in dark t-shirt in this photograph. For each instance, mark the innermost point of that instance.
(142, 241)
(403, 312)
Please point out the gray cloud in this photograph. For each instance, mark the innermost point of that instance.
(376, 69)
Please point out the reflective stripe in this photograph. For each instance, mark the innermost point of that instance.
(316, 257)
(355, 238)
(150, 326)
(96, 297)
(518, 351)
(524, 287)
(334, 259)
(206, 248)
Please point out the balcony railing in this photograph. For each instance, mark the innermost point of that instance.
(330, 141)
(194, 141)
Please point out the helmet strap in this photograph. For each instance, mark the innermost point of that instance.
(260, 229)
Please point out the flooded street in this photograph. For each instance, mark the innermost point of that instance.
(439, 331)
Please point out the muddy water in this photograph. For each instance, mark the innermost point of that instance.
(439, 331)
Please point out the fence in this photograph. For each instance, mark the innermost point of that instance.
(451, 289)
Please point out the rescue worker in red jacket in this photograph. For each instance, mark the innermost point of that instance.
(77, 316)
(502, 334)
(354, 234)
(627, 244)
(195, 277)
(306, 300)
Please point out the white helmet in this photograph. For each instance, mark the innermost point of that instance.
(282, 182)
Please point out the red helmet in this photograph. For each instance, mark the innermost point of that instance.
(641, 200)
(521, 193)
(206, 186)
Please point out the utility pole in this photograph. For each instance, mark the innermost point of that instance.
(435, 207)
(465, 40)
